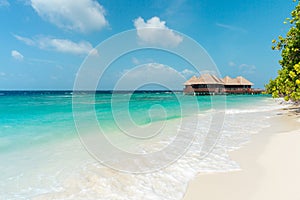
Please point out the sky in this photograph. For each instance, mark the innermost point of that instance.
(45, 43)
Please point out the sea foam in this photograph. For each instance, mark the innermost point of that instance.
(65, 170)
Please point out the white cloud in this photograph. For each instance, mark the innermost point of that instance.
(25, 40)
(78, 15)
(247, 69)
(155, 32)
(139, 61)
(2, 74)
(231, 64)
(231, 27)
(152, 74)
(188, 73)
(174, 7)
(65, 46)
(4, 3)
(17, 55)
(60, 45)
(135, 61)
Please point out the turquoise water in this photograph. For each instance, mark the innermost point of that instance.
(34, 118)
(28, 120)
(40, 149)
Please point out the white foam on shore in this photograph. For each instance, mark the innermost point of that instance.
(68, 172)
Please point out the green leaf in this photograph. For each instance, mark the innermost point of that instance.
(287, 83)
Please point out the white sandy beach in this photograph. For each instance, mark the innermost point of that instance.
(270, 167)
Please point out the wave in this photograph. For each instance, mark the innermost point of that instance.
(64, 170)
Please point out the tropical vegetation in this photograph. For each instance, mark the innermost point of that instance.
(287, 83)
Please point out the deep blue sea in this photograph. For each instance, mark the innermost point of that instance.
(47, 140)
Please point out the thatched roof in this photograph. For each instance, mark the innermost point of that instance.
(210, 79)
(236, 81)
(191, 81)
(205, 79)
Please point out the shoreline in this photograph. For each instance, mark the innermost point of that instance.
(269, 166)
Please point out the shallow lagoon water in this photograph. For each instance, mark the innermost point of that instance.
(43, 158)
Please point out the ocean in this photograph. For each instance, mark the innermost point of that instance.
(120, 145)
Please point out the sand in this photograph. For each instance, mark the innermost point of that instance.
(270, 167)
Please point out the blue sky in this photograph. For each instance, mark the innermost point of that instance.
(44, 42)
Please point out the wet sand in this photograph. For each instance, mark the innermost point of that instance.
(270, 166)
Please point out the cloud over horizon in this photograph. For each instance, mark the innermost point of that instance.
(155, 32)
(154, 75)
(76, 15)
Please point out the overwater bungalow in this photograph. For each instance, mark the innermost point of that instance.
(205, 84)
(237, 85)
(208, 84)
